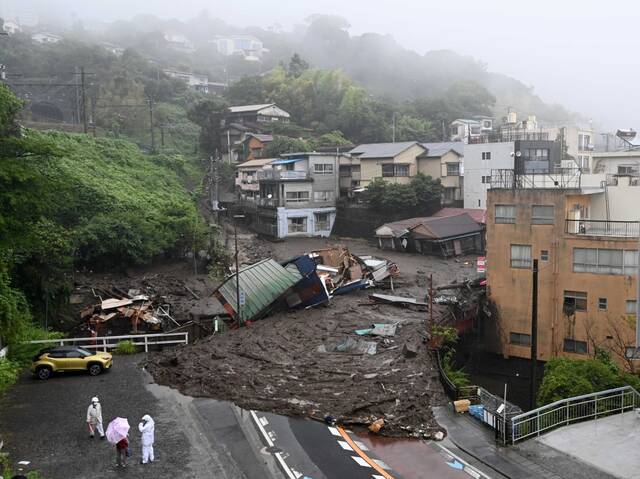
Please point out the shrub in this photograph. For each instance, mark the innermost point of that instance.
(9, 371)
(126, 347)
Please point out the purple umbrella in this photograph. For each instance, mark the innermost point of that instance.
(117, 430)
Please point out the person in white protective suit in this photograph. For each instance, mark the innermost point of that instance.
(94, 418)
(147, 428)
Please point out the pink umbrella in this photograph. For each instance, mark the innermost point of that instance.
(117, 430)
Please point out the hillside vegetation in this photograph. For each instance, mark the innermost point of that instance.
(70, 201)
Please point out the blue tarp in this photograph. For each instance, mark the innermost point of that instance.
(309, 291)
(286, 161)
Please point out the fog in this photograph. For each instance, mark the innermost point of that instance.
(581, 55)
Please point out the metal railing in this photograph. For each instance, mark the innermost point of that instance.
(574, 409)
(106, 342)
(554, 178)
(270, 174)
(620, 229)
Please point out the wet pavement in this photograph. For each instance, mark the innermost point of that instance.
(43, 422)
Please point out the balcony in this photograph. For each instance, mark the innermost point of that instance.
(615, 229)
(268, 202)
(283, 175)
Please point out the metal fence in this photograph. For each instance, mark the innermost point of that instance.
(571, 410)
(620, 229)
(110, 342)
(553, 178)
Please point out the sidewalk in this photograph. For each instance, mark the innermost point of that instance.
(530, 459)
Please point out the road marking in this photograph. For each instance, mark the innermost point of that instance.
(361, 461)
(283, 465)
(382, 464)
(361, 445)
(375, 476)
(468, 468)
(344, 445)
(334, 431)
(264, 421)
(363, 456)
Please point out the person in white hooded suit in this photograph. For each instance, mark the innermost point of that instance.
(147, 428)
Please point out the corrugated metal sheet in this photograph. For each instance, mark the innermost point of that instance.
(262, 283)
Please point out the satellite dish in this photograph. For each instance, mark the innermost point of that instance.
(269, 196)
(518, 154)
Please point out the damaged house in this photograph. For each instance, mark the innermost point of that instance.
(440, 236)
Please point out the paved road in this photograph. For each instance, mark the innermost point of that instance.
(43, 423)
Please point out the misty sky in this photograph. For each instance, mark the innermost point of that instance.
(581, 54)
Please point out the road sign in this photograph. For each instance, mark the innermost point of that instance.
(481, 264)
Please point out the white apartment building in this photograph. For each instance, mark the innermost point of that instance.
(479, 160)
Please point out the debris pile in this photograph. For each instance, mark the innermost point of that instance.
(130, 314)
(356, 364)
(302, 282)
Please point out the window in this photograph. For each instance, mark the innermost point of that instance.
(573, 346)
(542, 215)
(505, 214)
(322, 221)
(520, 256)
(520, 339)
(627, 170)
(574, 301)
(631, 306)
(345, 170)
(486, 155)
(297, 225)
(604, 261)
(323, 195)
(453, 169)
(323, 169)
(602, 304)
(297, 196)
(544, 255)
(392, 169)
(486, 179)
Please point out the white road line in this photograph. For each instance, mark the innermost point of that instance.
(264, 421)
(376, 476)
(382, 464)
(361, 461)
(345, 445)
(283, 465)
(361, 445)
(468, 468)
(334, 431)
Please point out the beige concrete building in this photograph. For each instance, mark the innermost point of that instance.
(587, 265)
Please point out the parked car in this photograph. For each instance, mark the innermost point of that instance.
(69, 358)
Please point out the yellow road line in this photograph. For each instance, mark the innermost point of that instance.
(361, 453)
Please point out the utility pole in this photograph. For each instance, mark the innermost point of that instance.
(534, 334)
(238, 305)
(153, 135)
(431, 310)
(83, 88)
(443, 132)
(393, 127)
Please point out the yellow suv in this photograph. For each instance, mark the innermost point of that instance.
(69, 358)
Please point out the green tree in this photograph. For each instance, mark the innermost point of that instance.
(283, 144)
(208, 115)
(297, 66)
(427, 190)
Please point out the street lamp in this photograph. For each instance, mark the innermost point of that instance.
(235, 234)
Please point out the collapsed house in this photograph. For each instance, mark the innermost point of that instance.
(302, 282)
(439, 236)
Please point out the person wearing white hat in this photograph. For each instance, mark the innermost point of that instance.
(147, 428)
(94, 418)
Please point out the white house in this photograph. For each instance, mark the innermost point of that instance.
(479, 160)
(46, 38)
(471, 130)
(248, 46)
(11, 27)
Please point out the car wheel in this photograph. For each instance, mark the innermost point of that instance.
(95, 369)
(43, 372)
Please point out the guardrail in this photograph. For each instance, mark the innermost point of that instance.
(104, 342)
(574, 409)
